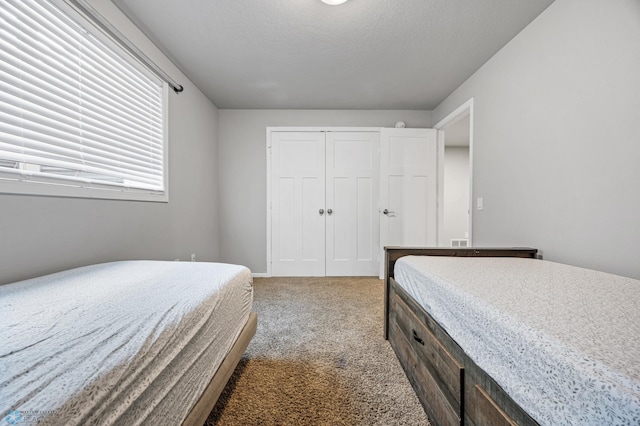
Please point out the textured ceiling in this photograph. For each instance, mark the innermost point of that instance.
(304, 54)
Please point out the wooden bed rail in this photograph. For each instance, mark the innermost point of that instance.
(394, 253)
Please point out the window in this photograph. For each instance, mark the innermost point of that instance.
(78, 115)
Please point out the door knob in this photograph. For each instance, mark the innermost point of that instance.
(321, 211)
(329, 212)
(385, 211)
(388, 213)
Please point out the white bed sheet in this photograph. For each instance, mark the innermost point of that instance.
(118, 343)
(563, 341)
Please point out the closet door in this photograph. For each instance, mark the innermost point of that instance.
(352, 221)
(324, 203)
(298, 203)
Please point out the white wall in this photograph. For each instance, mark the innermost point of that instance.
(243, 168)
(456, 193)
(557, 136)
(39, 235)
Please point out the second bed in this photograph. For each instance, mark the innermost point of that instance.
(135, 342)
(558, 344)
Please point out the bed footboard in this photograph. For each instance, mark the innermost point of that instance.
(452, 389)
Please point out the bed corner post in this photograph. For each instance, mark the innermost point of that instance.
(388, 271)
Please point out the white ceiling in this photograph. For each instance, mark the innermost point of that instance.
(304, 54)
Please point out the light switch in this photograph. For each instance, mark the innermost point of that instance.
(480, 203)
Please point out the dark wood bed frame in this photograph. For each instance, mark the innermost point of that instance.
(452, 389)
(209, 397)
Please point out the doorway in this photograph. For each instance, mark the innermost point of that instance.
(456, 225)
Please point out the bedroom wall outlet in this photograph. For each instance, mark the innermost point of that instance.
(193, 257)
(480, 203)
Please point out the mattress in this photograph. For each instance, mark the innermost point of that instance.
(562, 341)
(118, 343)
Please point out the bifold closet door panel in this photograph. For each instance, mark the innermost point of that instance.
(298, 203)
(352, 222)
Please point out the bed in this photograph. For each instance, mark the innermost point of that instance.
(496, 336)
(132, 342)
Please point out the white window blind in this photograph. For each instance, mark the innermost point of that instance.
(75, 112)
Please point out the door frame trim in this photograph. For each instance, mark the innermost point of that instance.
(461, 111)
(269, 131)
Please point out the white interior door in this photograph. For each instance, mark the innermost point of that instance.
(352, 232)
(298, 203)
(408, 188)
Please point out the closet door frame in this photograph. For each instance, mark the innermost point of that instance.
(269, 132)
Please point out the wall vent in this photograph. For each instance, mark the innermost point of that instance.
(459, 242)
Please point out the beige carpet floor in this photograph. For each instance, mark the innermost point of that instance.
(318, 358)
